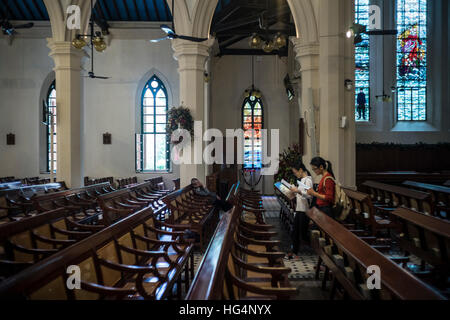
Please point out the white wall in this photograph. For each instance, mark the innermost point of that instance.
(231, 76)
(109, 105)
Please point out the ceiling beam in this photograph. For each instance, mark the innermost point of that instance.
(251, 52)
(281, 12)
(9, 13)
(101, 3)
(137, 10)
(231, 41)
(29, 9)
(116, 9)
(3, 14)
(166, 8)
(158, 16)
(20, 11)
(127, 11)
(38, 8)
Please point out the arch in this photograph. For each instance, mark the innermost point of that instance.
(151, 156)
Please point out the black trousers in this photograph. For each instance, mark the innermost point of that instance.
(327, 210)
(300, 233)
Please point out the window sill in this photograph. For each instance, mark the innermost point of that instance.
(414, 126)
(154, 172)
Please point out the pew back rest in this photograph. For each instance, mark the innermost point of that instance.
(396, 280)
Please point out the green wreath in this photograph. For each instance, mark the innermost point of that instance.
(180, 118)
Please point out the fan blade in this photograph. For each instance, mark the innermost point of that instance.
(167, 29)
(158, 40)
(25, 26)
(192, 38)
(101, 77)
(9, 32)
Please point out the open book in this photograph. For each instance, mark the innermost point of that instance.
(302, 186)
(286, 184)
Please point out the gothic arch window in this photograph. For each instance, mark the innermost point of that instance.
(252, 124)
(362, 68)
(51, 125)
(153, 145)
(412, 60)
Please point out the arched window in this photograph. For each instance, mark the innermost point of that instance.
(154, 145)
(412, 60)
(51, 121)
(362, 60)
(252, 111)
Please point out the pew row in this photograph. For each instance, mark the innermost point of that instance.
(128, 260)
(348, 258)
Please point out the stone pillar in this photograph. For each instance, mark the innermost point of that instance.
(69, 120)
(307, 55)
(336, 65)
(191, 57)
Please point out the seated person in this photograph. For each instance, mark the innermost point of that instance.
(200, 190)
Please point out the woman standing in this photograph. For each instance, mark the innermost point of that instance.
(301, 220)
(327, 186)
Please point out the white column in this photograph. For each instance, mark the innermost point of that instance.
(336, 65)
(68, 101)
(191, 58)
(307, 55)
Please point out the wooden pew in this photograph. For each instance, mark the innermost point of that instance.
(89, 182)
(394, 196)
(365, 212)
(186, 210)
(348, 258)
(124, 261)
(233, 269)
(287, 200)
(440, 196)
(30, 240)
(127, 182)
(429, 239)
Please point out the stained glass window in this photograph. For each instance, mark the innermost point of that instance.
(252, 126)
(362, 60)
(51, 120)
(412, 60)
(154, 148)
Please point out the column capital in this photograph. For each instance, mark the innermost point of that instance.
(306, 53)
(192, 55)
(65, 55)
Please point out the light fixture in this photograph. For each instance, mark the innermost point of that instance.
(255, 41)
(268, 47)
(348, 84)
(350, 33)
(79, 43)
(99, 43)
(280, 40)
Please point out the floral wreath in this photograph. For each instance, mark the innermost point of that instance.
(179, 118)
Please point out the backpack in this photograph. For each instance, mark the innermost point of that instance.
(340, 204)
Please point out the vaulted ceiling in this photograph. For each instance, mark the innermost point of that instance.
(234, 20)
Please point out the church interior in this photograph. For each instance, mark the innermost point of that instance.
(224, 150)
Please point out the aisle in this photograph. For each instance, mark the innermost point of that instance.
(303, 272)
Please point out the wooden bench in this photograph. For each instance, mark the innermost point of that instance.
(440, 196)
(127, 182)
(363, 211)
(397, 177)
(287, 201)
(348, 258)
(192, 211)
(89, 181)
(429, 239)
(127, 260)
(238, 265)
(32, 239)
(394, 196)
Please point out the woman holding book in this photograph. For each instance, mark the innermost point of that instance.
(327, 186)
(301, 220)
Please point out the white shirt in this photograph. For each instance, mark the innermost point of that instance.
(303, 197)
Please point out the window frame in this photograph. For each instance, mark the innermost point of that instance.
(147, 86)
(397, 65)
(252, 104)
(47, 131)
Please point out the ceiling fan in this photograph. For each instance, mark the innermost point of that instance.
(171, 34)
(9, 30)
